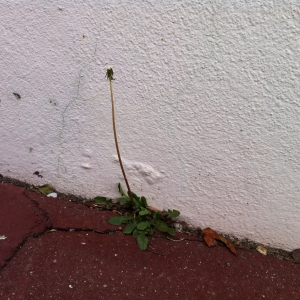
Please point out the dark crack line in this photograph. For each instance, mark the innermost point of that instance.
(44, 213)
(156, 253)
(17, 249)
(50, 227)
(65, 229)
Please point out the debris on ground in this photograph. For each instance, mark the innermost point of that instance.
(46, 189)
(262, 250)
(210, 237)
(53, 195)
(296, 255)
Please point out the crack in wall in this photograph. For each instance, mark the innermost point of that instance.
(69, 104)
(64, 122)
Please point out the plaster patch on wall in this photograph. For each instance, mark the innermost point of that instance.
(86, 166)
(87, 155)
(145, 171)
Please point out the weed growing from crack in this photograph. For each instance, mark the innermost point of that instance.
(142, 219)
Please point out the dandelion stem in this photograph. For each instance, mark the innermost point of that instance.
(109, 76)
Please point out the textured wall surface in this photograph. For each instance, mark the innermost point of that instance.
(207, 103)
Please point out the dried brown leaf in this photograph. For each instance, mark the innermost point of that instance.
(153, 209)
(210, 232)
(209, 241)
(210, 237)
(228, 244)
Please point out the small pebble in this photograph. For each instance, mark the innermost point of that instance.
(179, 227)
(262, 250)
(296, 255)
(53, 195)
(228, 264)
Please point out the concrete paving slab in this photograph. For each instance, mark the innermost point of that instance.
(87, 265)
(97, 261)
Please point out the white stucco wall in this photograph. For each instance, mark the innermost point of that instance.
(207, 102)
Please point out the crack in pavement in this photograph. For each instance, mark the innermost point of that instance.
(42, 216)
(43, 225)
(44, 213)
(17, 249)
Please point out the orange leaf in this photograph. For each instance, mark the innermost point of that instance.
(210, 237)
(228, 244)
(209, 241)
(209, 231)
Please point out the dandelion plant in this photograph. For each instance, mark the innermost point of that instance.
(142, 219)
